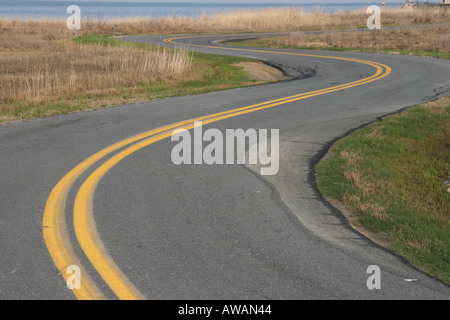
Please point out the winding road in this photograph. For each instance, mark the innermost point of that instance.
(98, 190)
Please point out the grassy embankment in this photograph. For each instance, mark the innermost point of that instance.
(43, 71)
(391, 175)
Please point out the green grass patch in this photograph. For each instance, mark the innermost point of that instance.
(391, 176)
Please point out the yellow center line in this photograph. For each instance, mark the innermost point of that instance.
(54, 228)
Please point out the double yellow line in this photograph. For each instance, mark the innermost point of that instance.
(55, 231)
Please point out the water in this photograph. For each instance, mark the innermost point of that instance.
(24, 9)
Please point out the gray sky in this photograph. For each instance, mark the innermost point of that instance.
(299, 2)
(257, 1)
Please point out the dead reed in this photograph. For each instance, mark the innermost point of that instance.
(271, 19)
(38, 62)
(432, 39)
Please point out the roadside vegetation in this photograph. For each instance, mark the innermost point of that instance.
(250, 20)
(46, 69)
(393, 177)
(433, 41)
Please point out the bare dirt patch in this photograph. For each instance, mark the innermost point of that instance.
(262, 72)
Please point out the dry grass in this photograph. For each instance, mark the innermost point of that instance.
(270, 19)
(439, 106)
(353, 158)
(433, 39)
(71, 68)
(366, 186)
(297, 19)
(40, 64)
(375, 210)
(37, 64)
(375, 133)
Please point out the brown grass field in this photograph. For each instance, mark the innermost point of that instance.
(40, 63)
(432, 39)
(271, 19)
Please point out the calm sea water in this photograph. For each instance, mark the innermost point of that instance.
(109, 10)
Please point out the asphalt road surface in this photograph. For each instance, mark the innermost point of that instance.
(98, 190)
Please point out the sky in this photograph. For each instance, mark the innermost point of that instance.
(261, 1)
(256, 1)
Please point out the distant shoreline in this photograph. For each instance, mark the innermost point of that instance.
(23, 10)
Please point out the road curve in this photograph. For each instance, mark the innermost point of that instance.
(98, 190)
